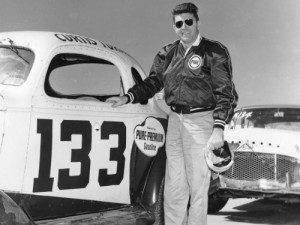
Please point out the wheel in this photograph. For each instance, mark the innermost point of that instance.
(215, 203)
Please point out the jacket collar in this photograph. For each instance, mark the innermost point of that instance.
(196, 43)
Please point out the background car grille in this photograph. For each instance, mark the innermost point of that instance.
(252, 166)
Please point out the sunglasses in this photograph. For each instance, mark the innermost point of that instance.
(188, 22)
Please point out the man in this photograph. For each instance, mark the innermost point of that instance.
(196, 75)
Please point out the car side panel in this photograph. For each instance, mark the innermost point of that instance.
(80, 156)
(13, 153)
(79, 161)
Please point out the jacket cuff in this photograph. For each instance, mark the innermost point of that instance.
(219, 124)
(130, 97)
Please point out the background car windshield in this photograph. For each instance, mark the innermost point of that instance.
(15, 65)
(268, 118)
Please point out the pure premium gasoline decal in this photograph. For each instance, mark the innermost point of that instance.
(149, 136)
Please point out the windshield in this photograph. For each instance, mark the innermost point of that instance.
(267, 118)
(15, 65)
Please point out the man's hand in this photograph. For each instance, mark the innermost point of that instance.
(117, 101)
(216, 139)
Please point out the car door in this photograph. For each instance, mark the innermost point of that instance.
(80, 147)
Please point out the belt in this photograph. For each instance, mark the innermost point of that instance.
(189, 109)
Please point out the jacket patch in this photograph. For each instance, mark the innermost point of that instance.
(195, 62)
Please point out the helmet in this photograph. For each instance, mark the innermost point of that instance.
(219, 160)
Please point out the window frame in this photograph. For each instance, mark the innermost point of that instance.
(56, 62)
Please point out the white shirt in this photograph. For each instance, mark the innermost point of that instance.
(196, 43)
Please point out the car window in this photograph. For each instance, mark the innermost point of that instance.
(83, 77)
(267, 118)
(15, 65)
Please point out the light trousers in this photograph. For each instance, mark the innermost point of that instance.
(187, 176)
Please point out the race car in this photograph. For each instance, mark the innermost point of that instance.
(266, 160)
(67, 156)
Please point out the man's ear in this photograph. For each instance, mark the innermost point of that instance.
(174, 27)
(198, 24)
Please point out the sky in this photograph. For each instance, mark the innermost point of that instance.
(262, 36)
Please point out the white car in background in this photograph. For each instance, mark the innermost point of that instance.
(267, 156)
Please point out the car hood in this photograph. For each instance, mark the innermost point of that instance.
(266, 140)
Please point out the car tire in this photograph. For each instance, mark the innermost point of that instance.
(159, 206)
(215, 203)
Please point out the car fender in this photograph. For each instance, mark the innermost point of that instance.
(155, 177)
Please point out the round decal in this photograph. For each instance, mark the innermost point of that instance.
(195, 62)
(149, 136)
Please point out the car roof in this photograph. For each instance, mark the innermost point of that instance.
(268, 106)
(48, 40)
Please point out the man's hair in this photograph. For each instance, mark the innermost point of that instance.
(185, 8)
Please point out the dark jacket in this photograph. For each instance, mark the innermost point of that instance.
(202, 78)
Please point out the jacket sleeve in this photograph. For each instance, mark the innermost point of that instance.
(153, 83)
(223, 86)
